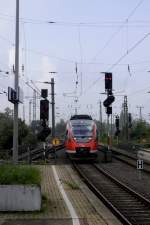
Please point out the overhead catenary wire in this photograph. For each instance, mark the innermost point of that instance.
(24, 49)
(120, 59)
(118, 30)
(109, 40)
(66, 23)
(129, 51)
(81, 59)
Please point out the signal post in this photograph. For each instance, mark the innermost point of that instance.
(107, 103)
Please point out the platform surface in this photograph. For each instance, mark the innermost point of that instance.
(89, 209)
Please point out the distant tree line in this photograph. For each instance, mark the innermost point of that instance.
(30, 135)
(138, 133)
(26, 136)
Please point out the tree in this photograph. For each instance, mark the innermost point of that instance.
(60, 128)
(6, 130)
(140, 130)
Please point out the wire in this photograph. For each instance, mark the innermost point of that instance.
(134, 10)
(25, 49)
(138, 91)
(118, 30)
(129, 51)
(120, 59)
(36, 51)
(45, 54)
(27, 83)
(35, 86)
(6, 39)
(86, 24)
(81, 58)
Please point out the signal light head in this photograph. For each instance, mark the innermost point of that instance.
(109, 110)
(109, 100)
(108, 81)
(44, 109)
(117, 122)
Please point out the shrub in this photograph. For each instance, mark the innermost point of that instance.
(10, 174)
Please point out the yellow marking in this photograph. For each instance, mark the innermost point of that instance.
(55, 141)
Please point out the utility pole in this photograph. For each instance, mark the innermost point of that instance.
(108, 133)
(125, 115)
(30, 103)
(15, 128)
(100, 118)
(23, 113)
(34, 105)
(53, 107)
(140, 112)
(111, 129)
(76, 107)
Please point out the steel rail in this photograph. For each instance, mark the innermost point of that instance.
(130, 195)
(124, 186)
(126, 156)
(102, 197)
(39, 152)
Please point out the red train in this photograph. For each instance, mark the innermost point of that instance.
(81, 137)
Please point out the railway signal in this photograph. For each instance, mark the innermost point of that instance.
(117, 122)
(44, 93)
(108, 81)
(110, 97)
(109, 100)
(107, 103)
(109, 110)
(117, 126)
(44, 110)
(129, 120)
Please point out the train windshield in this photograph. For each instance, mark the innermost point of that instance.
(82, 128)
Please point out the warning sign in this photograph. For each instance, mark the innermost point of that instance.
(55, 141)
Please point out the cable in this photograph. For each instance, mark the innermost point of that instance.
(35, 86)
(7, 40)
(81, 57)
(118, 30)
(138, 91)
(120, 59)
(130, 50)
(45, 54)
(27, 83)
(86, 24)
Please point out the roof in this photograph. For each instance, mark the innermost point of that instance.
(78, 117)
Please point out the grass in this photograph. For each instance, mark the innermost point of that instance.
(10, 174)
(72, 185)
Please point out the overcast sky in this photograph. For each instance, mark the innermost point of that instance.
(97, 36)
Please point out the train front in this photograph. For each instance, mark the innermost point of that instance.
(82, 140)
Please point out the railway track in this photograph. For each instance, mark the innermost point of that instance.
(130, 160)
(128, 157)
(128, 205)
(39, 153)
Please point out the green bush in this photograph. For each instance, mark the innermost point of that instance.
(10, 174)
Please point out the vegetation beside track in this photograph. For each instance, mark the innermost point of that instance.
(10, 174)
(138, 134)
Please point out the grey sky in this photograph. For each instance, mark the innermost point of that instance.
(81, 35)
